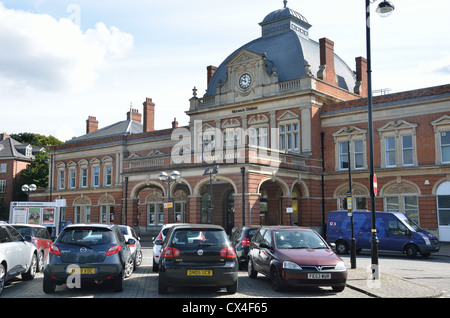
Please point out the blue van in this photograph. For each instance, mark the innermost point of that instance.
(395, 232)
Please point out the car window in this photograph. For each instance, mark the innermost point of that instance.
(24, 230)
(86, 236)
(15, 236)
(251, 232)
(199, 236)
(4, 235)
(298, 239)
(267, 238)
(259, 236)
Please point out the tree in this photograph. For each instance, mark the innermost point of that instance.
(36, 139)
(36, 172)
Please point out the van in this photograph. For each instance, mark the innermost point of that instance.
(395, 232)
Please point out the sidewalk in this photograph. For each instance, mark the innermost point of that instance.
(390, 286)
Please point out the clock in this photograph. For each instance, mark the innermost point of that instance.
(245, 81)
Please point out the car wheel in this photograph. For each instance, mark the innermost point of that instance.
(338, 289)
(251, 271)
(2, 278)
(48, 286)
(411, 251)
(40, 264)
(276, 280)
(341, 247)
(118, 283)
(138, 260)
(29, 275)
(155, 266)
(129, 266)
(232, 289)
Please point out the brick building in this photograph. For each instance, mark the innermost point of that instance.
(275, 123)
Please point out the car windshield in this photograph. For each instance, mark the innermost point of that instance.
(87, 237)
(199, 237)
(24, 230)
(298, 239)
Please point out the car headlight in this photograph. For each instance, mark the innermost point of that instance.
(290, 265)
(340, 266)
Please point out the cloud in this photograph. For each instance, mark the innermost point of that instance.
(439, 66)
(41, 52)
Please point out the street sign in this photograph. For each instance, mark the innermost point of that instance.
(375, 184)
(168, 205)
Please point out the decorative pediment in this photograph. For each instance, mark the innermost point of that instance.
(441, 121)
(244, 57)
(351, 130)
(397, 125)
(155, 153)
(258, 119)
(288, 115)
(231, 123)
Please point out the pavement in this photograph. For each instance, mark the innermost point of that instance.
(387, 286)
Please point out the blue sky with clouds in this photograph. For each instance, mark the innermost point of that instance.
(62, 61)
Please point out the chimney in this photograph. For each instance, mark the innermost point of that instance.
(361, 77)
(149, 115)
(133, 114)
(91, 124)
(174, 123)
(210, 72)
(4, 136)
(326, 70)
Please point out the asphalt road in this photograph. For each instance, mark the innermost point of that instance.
(143, 283)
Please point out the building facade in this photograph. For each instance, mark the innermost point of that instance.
(266, 144)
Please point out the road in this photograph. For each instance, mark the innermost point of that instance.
(143, 283)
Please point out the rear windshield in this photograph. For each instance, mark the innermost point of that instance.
(86, 236)
(199, 237)
(24, 230)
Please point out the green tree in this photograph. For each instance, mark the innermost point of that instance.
(36, 172)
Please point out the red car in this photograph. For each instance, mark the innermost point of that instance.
(40, 238)
(295, 256)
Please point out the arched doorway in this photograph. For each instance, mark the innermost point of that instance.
(229, 212)
(443, 206)
(272, 211)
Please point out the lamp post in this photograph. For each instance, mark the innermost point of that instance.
(174, 176)
(29, 188)
(384, 9)
(214, 170)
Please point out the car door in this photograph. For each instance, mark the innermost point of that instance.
(9, 249)
(255, 249)
(266, 254)
(21, 248)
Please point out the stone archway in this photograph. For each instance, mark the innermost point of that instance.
(275, 197)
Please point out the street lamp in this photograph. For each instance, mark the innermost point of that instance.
(384, 9)
(214, 170)
(29, 188)
(174, 176)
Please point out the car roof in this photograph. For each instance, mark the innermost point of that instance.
(286, 227)
(98, 225)
(199, 226)
(27, 225)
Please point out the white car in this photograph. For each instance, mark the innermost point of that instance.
(158, 242)
(135, 249)
(18, 256)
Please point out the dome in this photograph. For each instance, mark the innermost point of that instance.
(286, 44)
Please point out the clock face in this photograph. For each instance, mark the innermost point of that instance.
(245, 80)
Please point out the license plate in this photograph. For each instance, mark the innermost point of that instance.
(319, 276)
(81, 271)
(199, 272)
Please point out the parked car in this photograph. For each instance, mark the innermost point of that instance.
(96, 252)
(40, 237)
(135, 249)
(197, 255)
(240, 239)
(18, 256)
(395, 232)
(295, 256)
(158, 242)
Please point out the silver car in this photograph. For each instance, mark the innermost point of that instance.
(158, 242)
(18, 256)
(135, 249)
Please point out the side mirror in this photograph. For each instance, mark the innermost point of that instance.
(131, 241)
(28, 238)
(264, 245)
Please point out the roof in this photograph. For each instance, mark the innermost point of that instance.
(11, 148)
(121, 128)
(287, 50)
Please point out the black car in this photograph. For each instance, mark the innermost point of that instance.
(197, 255)
(88, 252)
(240, 239)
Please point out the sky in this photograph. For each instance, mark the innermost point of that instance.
(63, 61)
